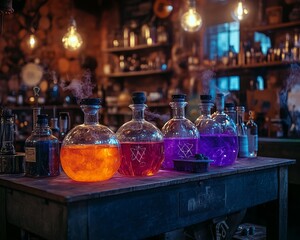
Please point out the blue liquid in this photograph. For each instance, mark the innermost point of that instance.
(179, 148)
(222, 149)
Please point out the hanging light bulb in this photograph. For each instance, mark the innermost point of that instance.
(240, 12)
(32, 41)
(191, 20)
(72, 39)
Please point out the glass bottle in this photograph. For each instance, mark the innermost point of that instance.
(180, 134)
(211, 141)
(230, 111)
(142, 144)
(242, 132)
(64, 125)
(54, 127)
(7, 133)
(227, 141)
(90, 151)
(252, 132)
(41, 151)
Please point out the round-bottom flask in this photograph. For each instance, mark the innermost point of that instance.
(180, 134)
(90, 152)
(227, 141)
(142, 146)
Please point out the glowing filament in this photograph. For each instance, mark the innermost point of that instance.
(240, 12)
(72, 40)
(32, 41)
(191, 21)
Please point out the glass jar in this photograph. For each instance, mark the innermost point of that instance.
(142, 145)
(180, 134)
(227, 141)
(41, 151)
(90, 152)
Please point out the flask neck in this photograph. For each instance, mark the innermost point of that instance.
(90, 114)
(42, 129)
(240, 116)
(205, 109)
(138, 111)
(220, 103)
(178, 109)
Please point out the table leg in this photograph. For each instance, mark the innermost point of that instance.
(2, 214)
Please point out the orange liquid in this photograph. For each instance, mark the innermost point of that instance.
(90, 163)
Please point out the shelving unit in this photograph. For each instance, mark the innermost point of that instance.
(273, 27)
(137, 73)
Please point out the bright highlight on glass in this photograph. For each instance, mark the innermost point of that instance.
(191, 21)
(240, 12)
(72, 39)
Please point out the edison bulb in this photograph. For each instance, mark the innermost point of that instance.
(191, 21)
(32, 41)
(72, 39)
(240, 12)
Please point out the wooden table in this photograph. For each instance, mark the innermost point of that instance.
(135, 208)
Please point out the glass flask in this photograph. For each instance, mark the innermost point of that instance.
(211, 142)
(41, 151)
(90, 152)
(227, 142)
(142, 145)
(180, 134)
(242, 132)
(252, 132)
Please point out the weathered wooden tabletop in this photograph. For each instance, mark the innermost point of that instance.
(63, 189)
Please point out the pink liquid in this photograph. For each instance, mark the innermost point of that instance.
(178, 148)
(222, 149)
(141, 158)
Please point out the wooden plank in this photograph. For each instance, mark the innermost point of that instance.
(283, 203)
(63, 189)
(2, 214)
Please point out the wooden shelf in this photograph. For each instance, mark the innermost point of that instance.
(118, 50)
(252, 66)
(137, 73)
(271, 27)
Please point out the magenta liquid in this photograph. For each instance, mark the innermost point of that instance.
(222, 149)
(141, 158)
(179, 148)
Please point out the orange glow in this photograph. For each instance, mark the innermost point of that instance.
(90, 163)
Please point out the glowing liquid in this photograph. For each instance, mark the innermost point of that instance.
(178, 148)
(222, 149)
(90, 163)
(141, 158)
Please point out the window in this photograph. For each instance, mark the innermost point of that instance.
(220, 37)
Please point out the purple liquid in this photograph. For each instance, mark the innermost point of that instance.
(178, 148)
(222, 149)
(141, 158)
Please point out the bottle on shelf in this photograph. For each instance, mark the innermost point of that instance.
(252, 132)
(242, 132)
(41, 151)
(142, 144)
(54, 127)
(180, 134)
(7, 127)
(90, 152)
(227, 141)
(230, 111)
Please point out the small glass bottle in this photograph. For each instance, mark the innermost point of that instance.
(242, 132)
(41, 151)
(90, 152)
(142, 144)
(7, 124)
(54, 127)
(227, 141)
(252, 132)
(230, 111)
(64, 125)
(180, 134)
